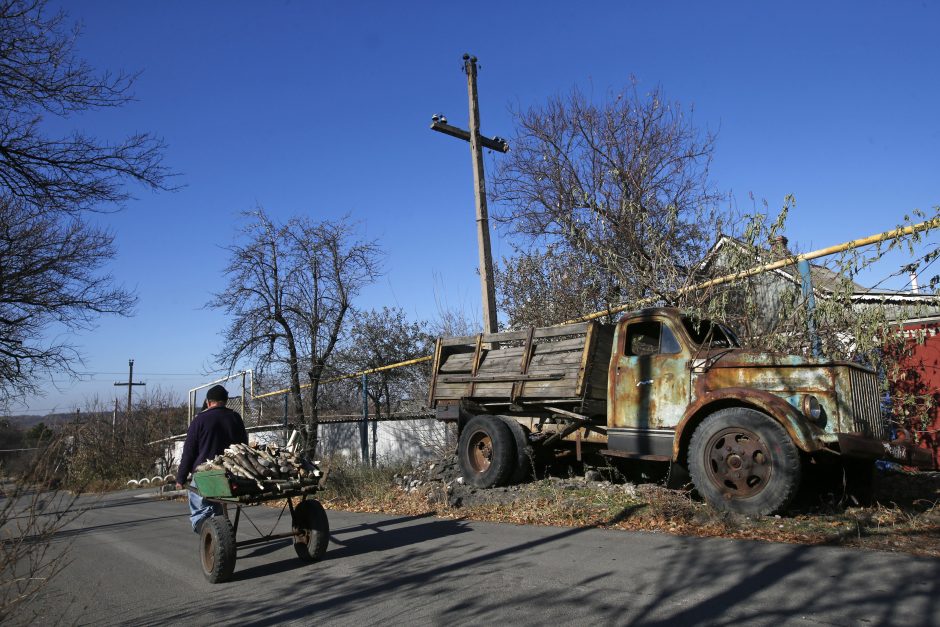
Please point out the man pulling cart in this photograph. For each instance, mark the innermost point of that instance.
(228, 472)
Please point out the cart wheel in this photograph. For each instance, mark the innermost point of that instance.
(311, 530)
(217, 549)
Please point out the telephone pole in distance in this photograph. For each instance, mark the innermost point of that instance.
(130, 385)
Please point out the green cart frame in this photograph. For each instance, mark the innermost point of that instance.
(310, 528)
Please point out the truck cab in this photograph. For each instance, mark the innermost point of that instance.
(742, 422)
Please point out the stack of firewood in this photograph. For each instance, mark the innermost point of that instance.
(268, 465)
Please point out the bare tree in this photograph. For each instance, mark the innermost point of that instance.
(41, 75)
(50, 273)
(333, 267)
(256, 300)
(617, 192)
(50, 259)
(291, 288)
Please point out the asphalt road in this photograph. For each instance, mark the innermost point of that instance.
(133, 561)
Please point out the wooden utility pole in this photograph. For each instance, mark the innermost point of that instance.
(477, 143)
(130, 386)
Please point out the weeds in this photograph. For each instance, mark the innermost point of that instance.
(350, 485)
(31, 514)
(911, 527)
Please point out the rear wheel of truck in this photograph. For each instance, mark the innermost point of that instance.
(743, 461)
(485, 452)
(522, 463)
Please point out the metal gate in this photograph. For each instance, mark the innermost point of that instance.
(240, 386)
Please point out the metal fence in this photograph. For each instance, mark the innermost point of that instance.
(240, 386)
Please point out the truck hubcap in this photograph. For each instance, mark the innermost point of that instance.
(481, 451)
(738, 462)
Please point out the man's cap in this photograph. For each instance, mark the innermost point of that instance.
(217, 393)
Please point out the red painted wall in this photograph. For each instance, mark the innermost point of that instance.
(921, 376)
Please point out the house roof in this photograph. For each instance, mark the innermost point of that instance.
(825, 281)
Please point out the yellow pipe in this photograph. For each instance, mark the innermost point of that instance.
(788, 261)
(400, 364)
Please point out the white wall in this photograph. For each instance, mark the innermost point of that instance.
(398, 440)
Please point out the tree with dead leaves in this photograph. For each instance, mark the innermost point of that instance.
(290, 291)
(382, 337)
(613, 197)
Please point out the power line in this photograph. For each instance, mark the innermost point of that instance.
(147, 374)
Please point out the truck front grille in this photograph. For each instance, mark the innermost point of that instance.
(866, 404)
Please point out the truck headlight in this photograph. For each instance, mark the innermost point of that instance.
(811, 407)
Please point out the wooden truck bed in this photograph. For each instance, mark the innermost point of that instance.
(539, 365)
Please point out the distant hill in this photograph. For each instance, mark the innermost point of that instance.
(25, 421)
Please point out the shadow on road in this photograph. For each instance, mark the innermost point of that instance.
(66, 534)
(270, 568)
(390, 539)
(693, 581)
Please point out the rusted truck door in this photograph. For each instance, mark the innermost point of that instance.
(649, 386)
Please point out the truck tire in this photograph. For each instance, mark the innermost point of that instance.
(311, 531)
(217, 549)
(743, 461)
(522, 463)
(485, 452)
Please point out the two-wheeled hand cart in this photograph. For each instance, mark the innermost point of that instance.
(310, 528)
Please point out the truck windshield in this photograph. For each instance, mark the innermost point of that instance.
(715, 334)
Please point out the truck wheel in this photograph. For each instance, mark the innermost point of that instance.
(485, 452)
(217, 549)
(523, 459)
(311, 531)
(744, 461)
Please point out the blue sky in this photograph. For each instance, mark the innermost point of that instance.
(322, 109)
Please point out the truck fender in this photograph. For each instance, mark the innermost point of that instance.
(796, 424)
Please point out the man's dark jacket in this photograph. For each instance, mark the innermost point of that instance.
(210, 432)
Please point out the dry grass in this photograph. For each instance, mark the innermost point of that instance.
(913, 529)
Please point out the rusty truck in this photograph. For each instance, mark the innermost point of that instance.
(659, 385)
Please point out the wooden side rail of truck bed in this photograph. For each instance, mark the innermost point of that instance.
(549, 364)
